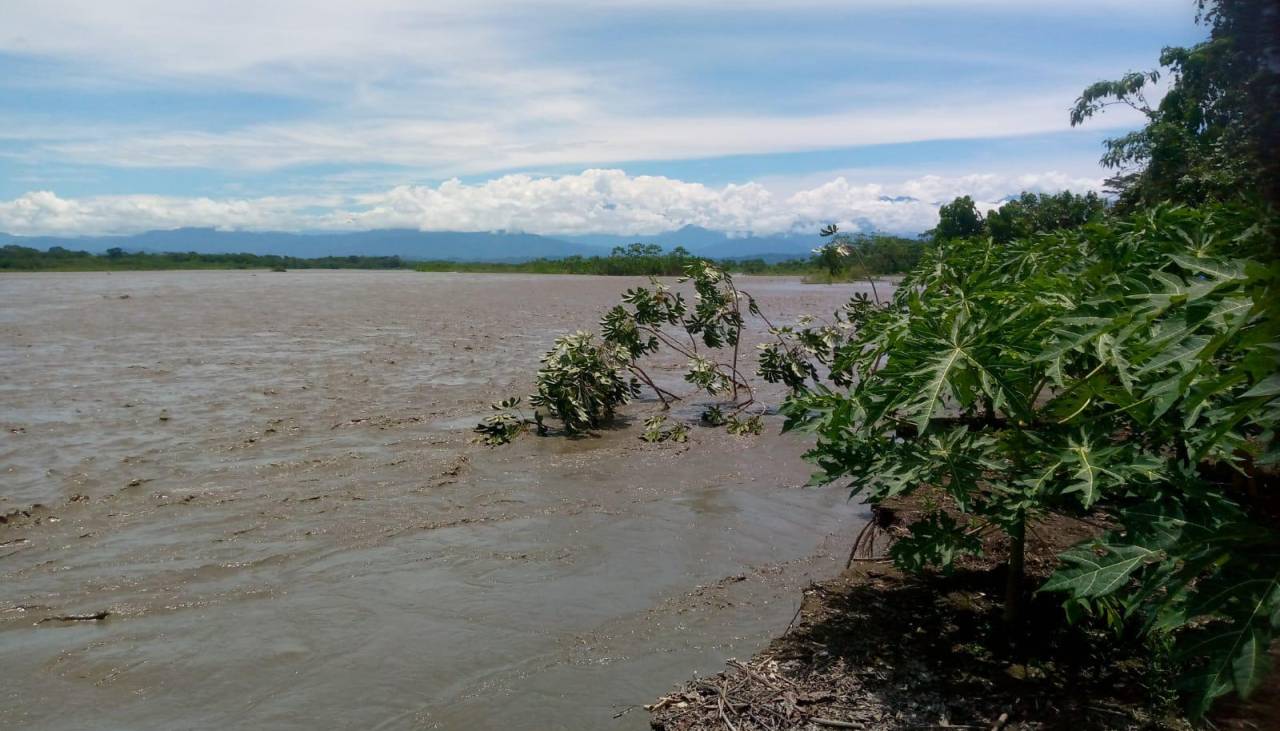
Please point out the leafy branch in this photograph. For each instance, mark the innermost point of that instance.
(585, 377)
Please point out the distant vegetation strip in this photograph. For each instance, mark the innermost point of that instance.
(59, 259)
(876, 254)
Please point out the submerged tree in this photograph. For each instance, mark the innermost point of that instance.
(585, 377)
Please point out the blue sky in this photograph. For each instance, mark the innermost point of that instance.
(619, 116)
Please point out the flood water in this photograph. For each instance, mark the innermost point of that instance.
(267, 479)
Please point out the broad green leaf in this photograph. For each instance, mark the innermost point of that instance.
(1089, 575)
(1252, 660)
(1183, 352)
(1217, 269)
(1269, 386)
(935, 385)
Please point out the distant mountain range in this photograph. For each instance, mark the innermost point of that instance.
(426, 245)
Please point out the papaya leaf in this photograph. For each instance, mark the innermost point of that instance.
(1088, 574)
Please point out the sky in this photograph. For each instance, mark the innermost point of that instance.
(556, 117)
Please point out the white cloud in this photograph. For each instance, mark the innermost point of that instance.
(465, 87)
(594, 201)
(225, 38)
(43, 212)
(555, 131)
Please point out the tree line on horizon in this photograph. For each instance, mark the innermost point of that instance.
(57, 258)
(881, 254)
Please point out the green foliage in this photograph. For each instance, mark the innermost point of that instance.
(1093, 571)
(1117, 366)
(751, 425)
(883, 255)
(1026, 215)
(708, 376)
(935, 540)
(958, 219)
(1032, 213)
(1213, 134)
(1193, 565)
(57, 258)
(1193, 348)
(831, 256)
(789, 360)
(582, 381)
(847, 258)
(879, 254)
(658, 429)
(716, 318)
(506, 424)
(585, 378)
(1053, 358)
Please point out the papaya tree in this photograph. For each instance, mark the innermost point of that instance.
(1127, 367)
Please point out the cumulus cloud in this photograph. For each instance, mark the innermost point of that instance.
(44, 212)
(594, 201)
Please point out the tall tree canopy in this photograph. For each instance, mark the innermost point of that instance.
(1214, 135)
(958, 219)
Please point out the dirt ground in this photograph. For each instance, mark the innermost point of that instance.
(875, 649)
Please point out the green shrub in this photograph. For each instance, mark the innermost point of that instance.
(1127, 366)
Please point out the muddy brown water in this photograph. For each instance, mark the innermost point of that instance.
(267, 479)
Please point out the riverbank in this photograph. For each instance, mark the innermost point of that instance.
(876, 649)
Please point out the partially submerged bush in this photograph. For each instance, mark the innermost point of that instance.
(503, 426)
(751, 425)
(582, 381)
(584, 378)
(658, 429)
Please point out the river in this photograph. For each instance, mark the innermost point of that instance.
(268, 481)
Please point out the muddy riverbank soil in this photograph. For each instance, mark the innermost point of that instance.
(250, 500)
(874, 649)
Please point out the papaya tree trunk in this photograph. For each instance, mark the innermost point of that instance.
(1016, 569)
